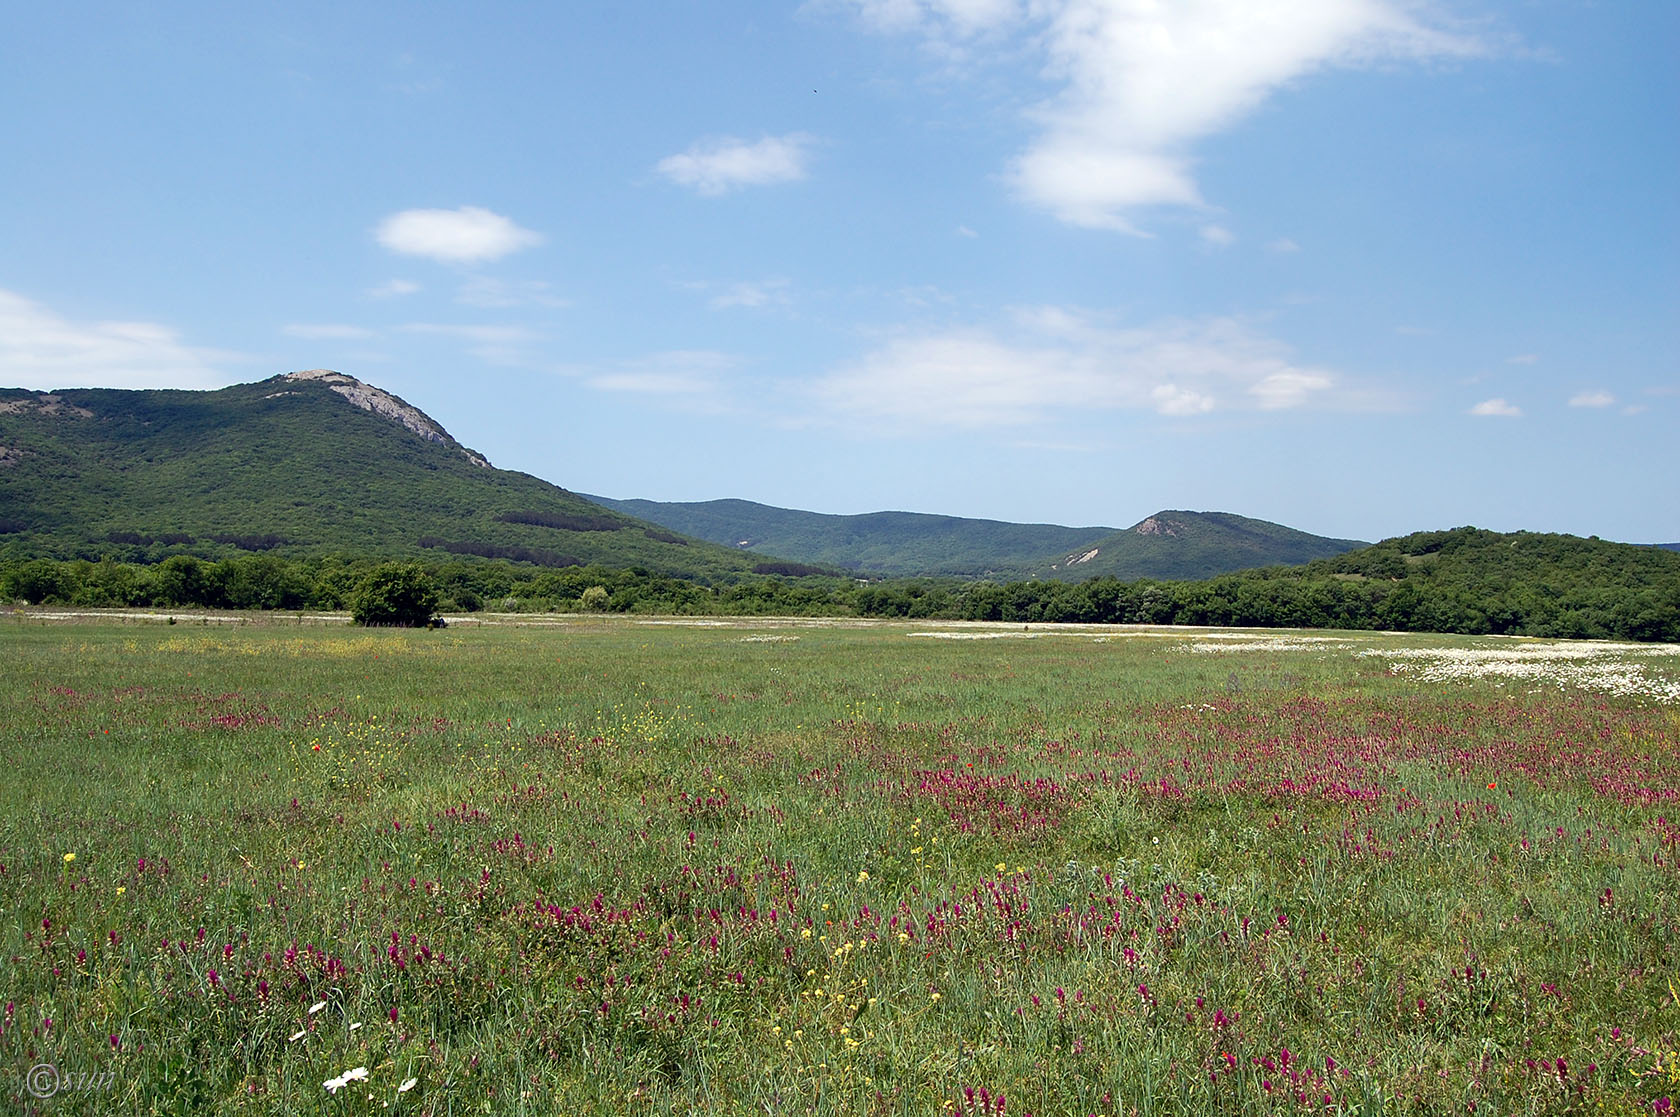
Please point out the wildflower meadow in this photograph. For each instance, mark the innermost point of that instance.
(616, 865)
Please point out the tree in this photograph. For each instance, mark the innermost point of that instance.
(594, 599)
(395, 593)
(182, 580)
(40, 582)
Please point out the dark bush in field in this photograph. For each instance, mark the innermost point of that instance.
(395, 593)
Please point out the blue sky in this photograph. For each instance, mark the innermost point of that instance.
(1363, 267)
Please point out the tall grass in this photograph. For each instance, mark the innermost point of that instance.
(617, 867)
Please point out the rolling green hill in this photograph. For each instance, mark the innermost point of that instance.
(890, 543)
(1167, 545)
(299, 464)
(1182, 545)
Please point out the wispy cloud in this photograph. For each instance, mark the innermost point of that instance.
(394, 288)
(1496, 408)
(497, 345)
(717, 166)
(1141, 83)
(41, 350)
(1218, 236)
(326, 332)
(1061, 361)
(1523, 359)
(1283, 246)
(751, 295)
(1592, 399)
(490, 293)
(487, 335)
(943, 18)
(689, 377)
(469, 235)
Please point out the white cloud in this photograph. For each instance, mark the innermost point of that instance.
(42, 351)
(1062, 360)
(715, 167)
(1523, 359)
(1592, 399)
(1497, 408)
(468, 235)
(965, 231)
(1283, 246)
(939, 17)
(327, 332)
(1288, 388)
(1218, 235)
(1172, 399)
(1141, 81)
(394, 288)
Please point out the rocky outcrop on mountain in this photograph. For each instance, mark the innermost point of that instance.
(385, 405)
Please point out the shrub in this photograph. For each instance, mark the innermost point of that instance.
(395, 593)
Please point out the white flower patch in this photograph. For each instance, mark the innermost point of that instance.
(1271, 644)
(977, 635)
(1598, 667)
(767, 639)
(334, 1085)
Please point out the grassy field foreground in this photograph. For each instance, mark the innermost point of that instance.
(615, 866)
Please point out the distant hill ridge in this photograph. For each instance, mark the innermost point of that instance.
(890, 543)
(1168, 545)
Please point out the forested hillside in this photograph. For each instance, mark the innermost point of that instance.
(296, 465)
(1169, 544)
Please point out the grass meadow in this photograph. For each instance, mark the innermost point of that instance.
(613, 866)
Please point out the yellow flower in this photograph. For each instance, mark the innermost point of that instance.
(1001, 866)
(69, 857)
(863, 875)
(805, 934)
(121, 890)
(933, 996)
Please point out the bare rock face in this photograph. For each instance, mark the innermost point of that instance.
(1154, 525)
(385, 405)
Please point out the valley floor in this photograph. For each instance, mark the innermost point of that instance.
(577, 864)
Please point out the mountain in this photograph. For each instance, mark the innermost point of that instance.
(1181, 545)
(1167, 545)
(890, 543)
(302, 463)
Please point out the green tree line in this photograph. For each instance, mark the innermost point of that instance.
(1464, 581)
